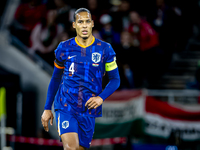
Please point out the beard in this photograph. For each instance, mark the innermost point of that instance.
(84, 38)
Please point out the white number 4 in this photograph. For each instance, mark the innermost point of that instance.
(71, 68)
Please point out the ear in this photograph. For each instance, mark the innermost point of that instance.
(92, 23)
(74, 25)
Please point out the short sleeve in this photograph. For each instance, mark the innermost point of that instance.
(110, 59)
(59, 54)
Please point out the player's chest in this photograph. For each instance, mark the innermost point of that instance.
(85, 57)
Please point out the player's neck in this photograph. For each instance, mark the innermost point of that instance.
(84, 42)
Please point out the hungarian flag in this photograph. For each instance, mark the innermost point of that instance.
(162, 119)
(130, 112)
(122, 114)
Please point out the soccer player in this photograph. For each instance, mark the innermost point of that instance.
(76, 84)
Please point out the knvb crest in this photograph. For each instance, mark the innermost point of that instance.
(65, 124)
(96, 57)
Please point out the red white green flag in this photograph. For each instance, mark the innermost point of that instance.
(161, 118)
(121, 111)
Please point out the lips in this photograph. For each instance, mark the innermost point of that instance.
(84, 31)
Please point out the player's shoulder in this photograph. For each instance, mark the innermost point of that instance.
(60, 51)
(102, 43)
(65, 44)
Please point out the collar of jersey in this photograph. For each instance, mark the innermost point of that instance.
(83, 46)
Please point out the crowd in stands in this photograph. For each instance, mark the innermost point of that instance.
(144, 34)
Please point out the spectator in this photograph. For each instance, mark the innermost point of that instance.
(96, 34)
(143, 34)
(26, 17)
(45, 37)
(63, 13)
(166, 20)
(64, 36)
(126, 60)
(107, 32)
(120, 15)
(96, 12)
(146, 39)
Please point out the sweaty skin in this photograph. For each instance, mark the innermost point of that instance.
(83, 26)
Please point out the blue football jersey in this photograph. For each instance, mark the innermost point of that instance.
(84, 68)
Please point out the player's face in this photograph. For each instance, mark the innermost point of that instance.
(83, 25)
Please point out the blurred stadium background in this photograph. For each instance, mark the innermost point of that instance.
(157, 43)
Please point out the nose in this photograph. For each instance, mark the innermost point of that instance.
(84, 25)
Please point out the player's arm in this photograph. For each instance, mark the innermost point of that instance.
(53, 86)
(52, 89)
(113, 84)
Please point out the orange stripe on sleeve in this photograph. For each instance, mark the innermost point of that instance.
(58, 66)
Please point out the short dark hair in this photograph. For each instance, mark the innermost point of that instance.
(80, 10)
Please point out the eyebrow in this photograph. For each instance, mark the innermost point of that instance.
(85, 20)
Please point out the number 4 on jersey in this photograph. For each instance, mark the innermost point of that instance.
(71, 68)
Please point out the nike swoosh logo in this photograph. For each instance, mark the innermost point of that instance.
(69, 57)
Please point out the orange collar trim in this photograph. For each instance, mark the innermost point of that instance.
(83, 46)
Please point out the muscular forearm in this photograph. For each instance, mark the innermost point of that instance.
(114, 82)
(53, 87)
